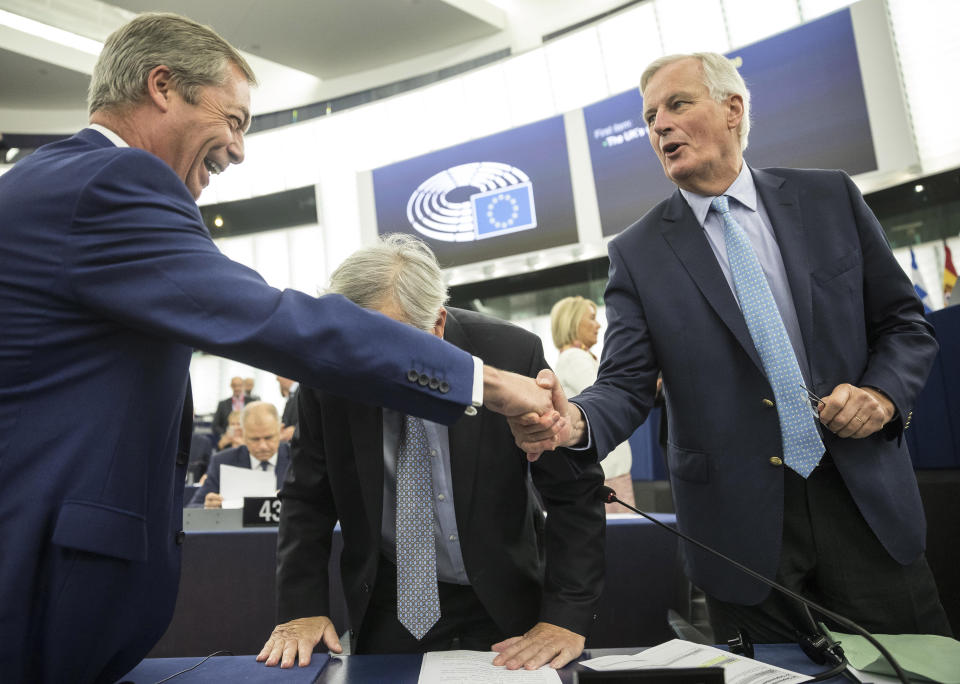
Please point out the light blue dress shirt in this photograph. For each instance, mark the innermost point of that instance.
(450, 566)
(748, 210)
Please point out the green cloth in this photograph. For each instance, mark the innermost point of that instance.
(923, 656)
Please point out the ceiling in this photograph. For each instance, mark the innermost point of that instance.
(304, 49)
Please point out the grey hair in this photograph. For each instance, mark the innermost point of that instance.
(400, 270)
(721, 78)
(196, 55)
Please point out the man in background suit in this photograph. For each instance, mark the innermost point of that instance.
(837, 316)
(235, 402)
(261, 449)
(108, 281)
(347, 467)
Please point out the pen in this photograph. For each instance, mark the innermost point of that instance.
(813, 397)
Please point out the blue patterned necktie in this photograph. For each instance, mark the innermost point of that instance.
(418, 603)
(802, 446)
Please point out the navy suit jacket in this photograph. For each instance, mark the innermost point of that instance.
(239, 457)
(670, 308)
(108, 281)
(337, 474)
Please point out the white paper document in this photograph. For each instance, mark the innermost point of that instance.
(236, 483)
(470, 667)
(679, 653)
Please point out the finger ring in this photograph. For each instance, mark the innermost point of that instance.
(859, 418)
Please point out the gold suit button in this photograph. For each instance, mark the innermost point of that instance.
(767, 403)
(776, 461)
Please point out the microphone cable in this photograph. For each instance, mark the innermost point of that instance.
(607, 495)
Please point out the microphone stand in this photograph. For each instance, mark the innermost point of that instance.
(607, 495)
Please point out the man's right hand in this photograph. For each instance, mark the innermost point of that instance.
(535, 435)
(212, 500)
(511, 394)
(297, 638)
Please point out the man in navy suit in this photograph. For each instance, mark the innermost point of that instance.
(108, 281)
(849, 535)
(261, 449)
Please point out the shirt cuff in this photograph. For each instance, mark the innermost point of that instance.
(477, 395)
(586, 422)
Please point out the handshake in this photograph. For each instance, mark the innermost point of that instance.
(538, 412)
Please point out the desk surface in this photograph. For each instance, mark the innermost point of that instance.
(381, 668)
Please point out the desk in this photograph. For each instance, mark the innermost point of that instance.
(387, 668)
(227, 596)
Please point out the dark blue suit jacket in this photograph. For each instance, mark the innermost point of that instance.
(670, 308)
(108, 281)
(239, 457)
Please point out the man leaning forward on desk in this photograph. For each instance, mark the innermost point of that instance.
(746, 288)
(441, 531)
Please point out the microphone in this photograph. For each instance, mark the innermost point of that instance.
(607, 495)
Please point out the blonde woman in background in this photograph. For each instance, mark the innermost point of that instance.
(573, 323)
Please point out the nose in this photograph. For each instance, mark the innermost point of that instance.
(235, 148)
(661, 122)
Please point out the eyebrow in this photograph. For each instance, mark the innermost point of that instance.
(673, 97)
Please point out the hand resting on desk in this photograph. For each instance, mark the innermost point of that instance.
(543, 644)
(298, 638)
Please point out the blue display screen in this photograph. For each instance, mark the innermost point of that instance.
(808, 111)
(497, 196)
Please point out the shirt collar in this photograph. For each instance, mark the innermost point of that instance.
(109, 135)
(742, 189)
(255, 462)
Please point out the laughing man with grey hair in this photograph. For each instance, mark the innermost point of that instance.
(110, 280)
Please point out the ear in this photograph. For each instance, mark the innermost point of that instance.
(441, 323)
(734, 111)
(160, 87)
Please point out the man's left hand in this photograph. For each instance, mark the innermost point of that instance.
(855, 412)
(543, 644)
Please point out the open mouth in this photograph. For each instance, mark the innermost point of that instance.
(212, 166)
(670, 148)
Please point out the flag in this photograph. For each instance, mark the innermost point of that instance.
(949, 274)
(918, 284)
(504, 210)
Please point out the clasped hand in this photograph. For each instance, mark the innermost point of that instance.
(546, 420)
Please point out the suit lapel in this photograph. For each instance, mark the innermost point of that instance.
(465, 438)
(366, 434)
(783, 208)
(686, 237)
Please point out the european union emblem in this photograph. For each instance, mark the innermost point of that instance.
(504, 210)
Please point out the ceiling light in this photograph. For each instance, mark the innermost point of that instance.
(918, 188)
(218, 221)
(11, 154)
(50, 33)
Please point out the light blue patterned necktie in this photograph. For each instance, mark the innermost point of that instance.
(418, 603)
(802, 446)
